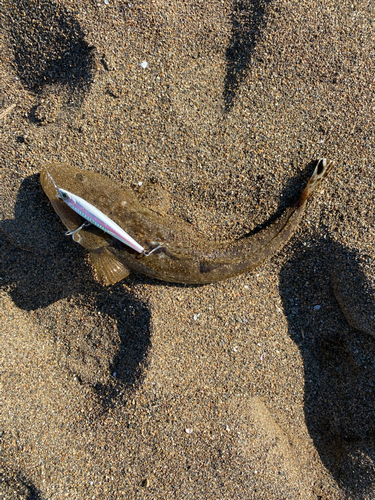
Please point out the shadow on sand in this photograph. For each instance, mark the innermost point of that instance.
(248, 17)
(339, 364)
(40, 266)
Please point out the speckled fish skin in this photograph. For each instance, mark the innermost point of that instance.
(184, 256)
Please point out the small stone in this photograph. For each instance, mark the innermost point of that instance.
(22, 139)
(146, 482)
(113, 89)
(108, 62)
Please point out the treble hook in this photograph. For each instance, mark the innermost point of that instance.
(72, 233)
(152, 251)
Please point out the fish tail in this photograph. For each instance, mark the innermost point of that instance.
(321, 171)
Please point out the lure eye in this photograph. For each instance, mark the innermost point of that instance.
(64, 196)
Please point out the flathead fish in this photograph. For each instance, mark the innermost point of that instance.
(173, 250)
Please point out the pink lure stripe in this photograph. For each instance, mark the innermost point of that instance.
(98, 219)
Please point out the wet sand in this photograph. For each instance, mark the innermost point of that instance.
(259, 387)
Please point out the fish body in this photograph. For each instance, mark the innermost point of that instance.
(183, 256)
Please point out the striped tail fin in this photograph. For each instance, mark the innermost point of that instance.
(321, 171)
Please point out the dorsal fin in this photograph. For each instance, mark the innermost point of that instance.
(108, 269)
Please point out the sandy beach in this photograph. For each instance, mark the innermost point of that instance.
(259, 387)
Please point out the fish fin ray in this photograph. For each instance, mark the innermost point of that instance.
(108, 269)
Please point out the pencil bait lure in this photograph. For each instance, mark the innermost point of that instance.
(96, 217)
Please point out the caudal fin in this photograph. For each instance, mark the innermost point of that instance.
(321, 171)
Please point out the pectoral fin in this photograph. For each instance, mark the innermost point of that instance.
(108, 269)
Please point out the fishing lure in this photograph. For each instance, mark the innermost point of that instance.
(94, 216)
